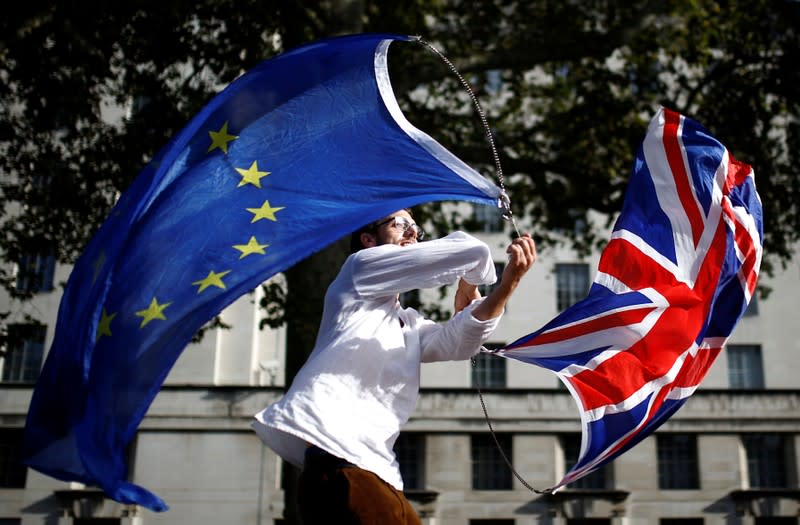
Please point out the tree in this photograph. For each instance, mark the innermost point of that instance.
(569, 87)
(572, 85)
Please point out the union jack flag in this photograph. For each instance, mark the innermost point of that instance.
(673, 281)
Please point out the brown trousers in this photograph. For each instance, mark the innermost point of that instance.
(333, 491)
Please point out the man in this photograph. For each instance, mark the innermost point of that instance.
(344, 410)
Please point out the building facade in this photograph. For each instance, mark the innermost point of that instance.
(729, 456)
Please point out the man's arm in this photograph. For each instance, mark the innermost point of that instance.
(390, 269)
(461, 337)
(522, 255)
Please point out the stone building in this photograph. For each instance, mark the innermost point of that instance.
(729, 456)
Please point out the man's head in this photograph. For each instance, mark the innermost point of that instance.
(398, 228)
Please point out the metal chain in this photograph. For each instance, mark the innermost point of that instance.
(505, 201)
(497, 442)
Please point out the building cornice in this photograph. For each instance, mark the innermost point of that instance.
(455, 410)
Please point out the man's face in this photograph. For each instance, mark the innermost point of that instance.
(396, 230)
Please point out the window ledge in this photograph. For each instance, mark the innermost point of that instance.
(746, 495)
(612, 495)
(421, 496)
(752, 502)
(80, 503)
(91, 503)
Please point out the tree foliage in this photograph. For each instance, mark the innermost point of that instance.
(568, 87)
(580, 80)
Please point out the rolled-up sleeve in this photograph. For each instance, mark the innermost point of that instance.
(459, 338)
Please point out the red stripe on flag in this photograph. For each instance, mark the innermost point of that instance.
(652, 410)
(746, 245)
(682, 182)
(695, 368)
(619, 377)
(737, 174)
(611, 320)
(632, 267)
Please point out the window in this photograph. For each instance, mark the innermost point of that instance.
(410, 451)
(572, 284)
(599, 479)
(489, 470)
(677, 461)
(23, 359)
(487, 219)
(767, 458)
(35, 273)
(485, 289)
(12, 471)
(489, 371)
(745, 368)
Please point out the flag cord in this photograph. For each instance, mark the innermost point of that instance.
(517, 475)
(503, 201)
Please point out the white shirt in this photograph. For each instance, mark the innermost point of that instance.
(361, 381)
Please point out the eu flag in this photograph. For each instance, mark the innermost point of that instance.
(294, 154)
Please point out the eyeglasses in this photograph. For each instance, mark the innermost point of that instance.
(404, 225)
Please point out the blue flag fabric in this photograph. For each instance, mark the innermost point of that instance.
(296, 153)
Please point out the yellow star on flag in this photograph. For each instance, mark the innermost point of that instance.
(264, 212)
(154, 311)
(212, 279)
(220, 139)
(251, 175)
(104, 326)
(250, 248)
